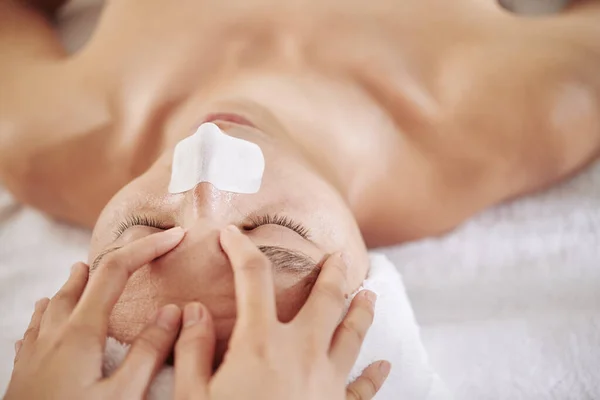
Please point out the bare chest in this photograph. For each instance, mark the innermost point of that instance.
(157, 52)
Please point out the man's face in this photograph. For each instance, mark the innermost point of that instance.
(296, 219)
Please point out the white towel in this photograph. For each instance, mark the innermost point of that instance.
(394, 336)
(509, 303)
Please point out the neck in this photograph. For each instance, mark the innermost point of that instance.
(333, 125)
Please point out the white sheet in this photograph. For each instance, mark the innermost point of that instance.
(35, 257)
(509, 304)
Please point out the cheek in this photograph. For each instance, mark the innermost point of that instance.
(290, 298)
(135, 308)
(165, 282)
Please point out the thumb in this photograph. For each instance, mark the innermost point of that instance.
(147, 354)
(366, 386)
(194, 353)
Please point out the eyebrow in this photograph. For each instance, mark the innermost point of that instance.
(287, 260)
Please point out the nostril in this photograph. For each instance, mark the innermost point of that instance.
(170, 359)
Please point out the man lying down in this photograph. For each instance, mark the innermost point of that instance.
(317, 127)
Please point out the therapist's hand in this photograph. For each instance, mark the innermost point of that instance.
(307, 358)
(60, 356)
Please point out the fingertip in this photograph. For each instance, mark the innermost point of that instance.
(335, 269)
(237, 246)
(194, 350)
(79, 268)
(341, 260)
(368, 384)
(370, 296)
(148, 353)
(41, 303)
(231, 229)
(169, 317)
(227, 234)
(193, 313)
(163, 242)
(384, 368)
(172, 237)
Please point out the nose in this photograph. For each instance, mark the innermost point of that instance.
(201, 247)
(211, 207)
(198, 270)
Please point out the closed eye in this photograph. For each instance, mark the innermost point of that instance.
(281, 220)
(254, 222)
(139, 220)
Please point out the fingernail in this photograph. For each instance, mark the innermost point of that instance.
(385, 367)
(173, 235)
(168, 317)
(371, 297)
(77, 267)
(232, 229)
(41, 302)
(18, 345)
(192, 314)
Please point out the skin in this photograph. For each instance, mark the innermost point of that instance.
(62, 348)
(380, 121)
(298, 360)
(198, 269)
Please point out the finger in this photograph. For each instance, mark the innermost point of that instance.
(64, 301)
(148, 353)
(369, 382)
(33, 329)
(253, 278)
(194, 352)
(108, 282)
(350, 333)
(326, 301)
(18, 345)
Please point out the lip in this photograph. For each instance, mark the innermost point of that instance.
(228, 117)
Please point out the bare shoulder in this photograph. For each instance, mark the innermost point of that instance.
(53, 138)
(51, 114)
(514, 108)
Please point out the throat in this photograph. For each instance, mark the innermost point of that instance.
(336, 126)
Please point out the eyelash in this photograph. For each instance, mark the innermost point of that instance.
(255, 222)
(276, 219)
(143, 220)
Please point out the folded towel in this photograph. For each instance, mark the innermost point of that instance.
(394, 336)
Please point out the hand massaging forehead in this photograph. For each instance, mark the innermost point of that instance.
(209, 155)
